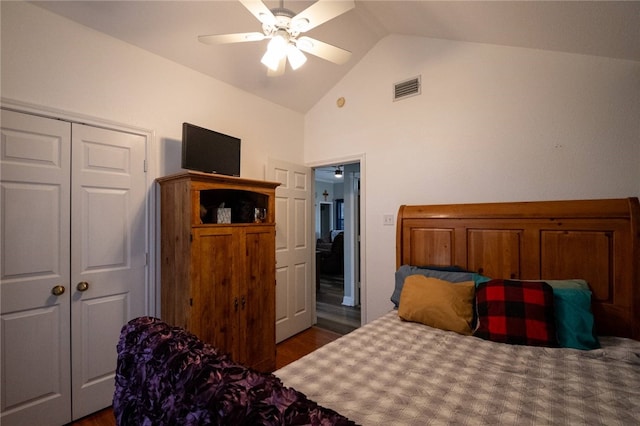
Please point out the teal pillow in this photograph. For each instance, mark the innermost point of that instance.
(568, 284)
(575, 326)
(574, 319)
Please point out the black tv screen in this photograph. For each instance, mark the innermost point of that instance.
(209, 151)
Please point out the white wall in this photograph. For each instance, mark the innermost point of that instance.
(51, 61)
(492, 124)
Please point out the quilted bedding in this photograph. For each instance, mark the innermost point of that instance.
(392, 372)
(166, 376)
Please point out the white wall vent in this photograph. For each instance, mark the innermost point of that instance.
(407, 88)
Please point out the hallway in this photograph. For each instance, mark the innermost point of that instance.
(332, 315)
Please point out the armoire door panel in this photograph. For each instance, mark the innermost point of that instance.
(215, 296)
(257, 290)
(494, 252)
(591, 258)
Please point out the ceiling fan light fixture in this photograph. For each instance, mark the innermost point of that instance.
(278, 44)
(283, 27)
(296, 57)
(276, 50)
(271, 60)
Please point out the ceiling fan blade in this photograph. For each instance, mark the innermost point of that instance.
(323, 50)
(281, 67)
(260, 11)
(230, 38)
(320, 12)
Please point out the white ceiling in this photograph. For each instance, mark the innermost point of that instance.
(170, 29)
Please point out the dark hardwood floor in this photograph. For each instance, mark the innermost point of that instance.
(286, 352)
(332, 314)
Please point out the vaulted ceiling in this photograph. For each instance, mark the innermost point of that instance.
(170, 29)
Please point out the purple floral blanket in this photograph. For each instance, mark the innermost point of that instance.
(167, 376)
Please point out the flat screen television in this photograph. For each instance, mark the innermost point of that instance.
(209, 151)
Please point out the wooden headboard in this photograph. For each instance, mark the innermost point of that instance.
(596, 240)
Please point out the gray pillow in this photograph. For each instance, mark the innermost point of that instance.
(453, 274)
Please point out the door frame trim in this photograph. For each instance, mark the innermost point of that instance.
(152, 231)
(354, 158)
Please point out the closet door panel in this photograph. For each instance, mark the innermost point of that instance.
(35, 365)
(108, 255)
(34, 224)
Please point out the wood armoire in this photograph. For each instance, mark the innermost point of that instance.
(218, 262)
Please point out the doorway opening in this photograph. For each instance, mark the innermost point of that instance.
(337, 232)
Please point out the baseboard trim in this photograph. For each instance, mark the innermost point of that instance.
(348, 301)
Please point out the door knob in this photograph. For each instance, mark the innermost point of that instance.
(82, 286)
(57, 290)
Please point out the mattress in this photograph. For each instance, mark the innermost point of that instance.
(403, 373)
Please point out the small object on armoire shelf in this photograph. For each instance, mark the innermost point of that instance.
(223, 214)
(260, 214)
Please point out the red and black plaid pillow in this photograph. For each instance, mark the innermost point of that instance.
(516, 312)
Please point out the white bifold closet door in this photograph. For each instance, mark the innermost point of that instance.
(73, 263)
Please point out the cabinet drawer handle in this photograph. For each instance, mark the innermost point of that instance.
(235, 303)
(243, 302)
(57, 290)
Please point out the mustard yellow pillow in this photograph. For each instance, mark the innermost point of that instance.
(438, 303)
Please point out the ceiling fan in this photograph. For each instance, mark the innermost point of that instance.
(283, 27)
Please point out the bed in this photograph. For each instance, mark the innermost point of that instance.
(553, 336)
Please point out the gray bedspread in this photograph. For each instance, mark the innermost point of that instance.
(392, 372)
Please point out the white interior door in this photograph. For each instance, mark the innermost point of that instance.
(294, 247)
(108, 256)
(72, 212)
(34, 222)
